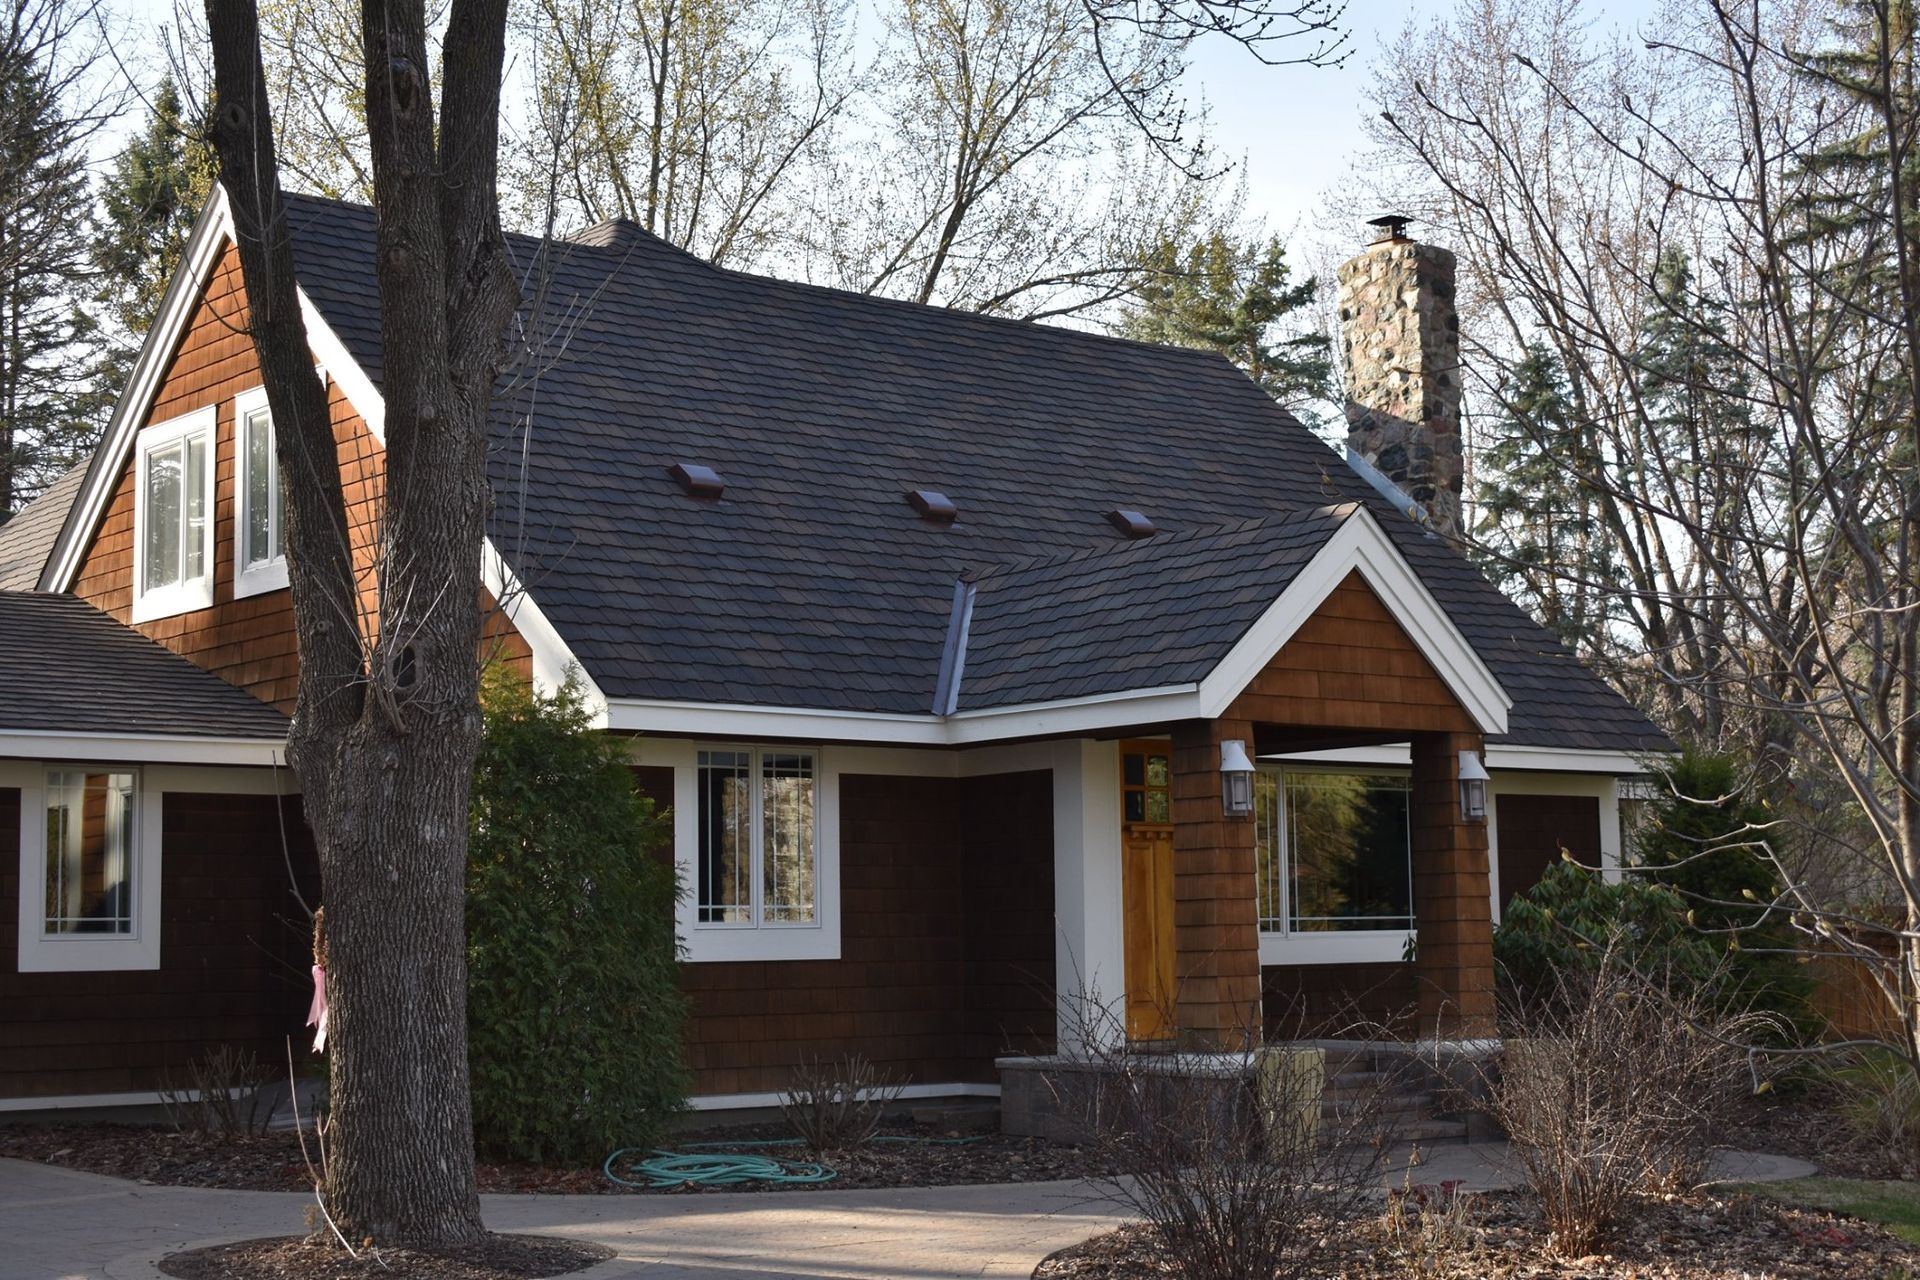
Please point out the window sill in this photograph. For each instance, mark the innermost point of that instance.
(87, 954)
(260, 579)
(710, 944)
(171, 602)
(1370, 947)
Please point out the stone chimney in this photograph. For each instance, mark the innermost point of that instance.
(1401, 336)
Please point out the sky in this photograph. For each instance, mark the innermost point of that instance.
(1297, 130)
(1292, 131)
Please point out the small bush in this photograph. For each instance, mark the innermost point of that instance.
(1428, 1227)
(1616, 1084)
(1232, 1158)
(225, 1094)
(835, 1106)
(574, 1009)
(1565, 922)
(1880, 1103)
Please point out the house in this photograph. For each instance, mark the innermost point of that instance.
(983, 665)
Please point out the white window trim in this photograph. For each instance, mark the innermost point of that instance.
(1355, 946)
(187, 595)
(269, 575)
(40, 952)
(708, 943)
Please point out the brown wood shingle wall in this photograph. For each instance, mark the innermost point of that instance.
(248, 642)
(946, 942)
(233, 959)
(1350, 666)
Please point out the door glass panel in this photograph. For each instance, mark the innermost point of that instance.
(1158, 809)
(1156, 771)
(1136, 806)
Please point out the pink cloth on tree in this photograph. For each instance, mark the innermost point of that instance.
(317, 1011)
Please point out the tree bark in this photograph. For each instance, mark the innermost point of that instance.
(387, 719)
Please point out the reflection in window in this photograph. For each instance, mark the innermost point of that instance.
(765, 837)
(1335, 851)
(264, 507)
(786, 789)
(175, 511)
(89, 875)
(726, 840)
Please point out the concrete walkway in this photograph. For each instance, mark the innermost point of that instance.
(56, 1224)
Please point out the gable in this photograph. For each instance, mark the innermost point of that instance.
(1351, 665)
(248, 641)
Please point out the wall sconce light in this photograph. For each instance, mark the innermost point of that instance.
(1473, 787)
(1236, 779)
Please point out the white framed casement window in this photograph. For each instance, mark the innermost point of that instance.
(89, 868)
(259, 509)
(756, 836)
(1334, 864)
(173, 517)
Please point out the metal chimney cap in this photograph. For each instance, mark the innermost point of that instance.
(1393, 226)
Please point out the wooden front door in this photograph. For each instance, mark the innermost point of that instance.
(1146, 867)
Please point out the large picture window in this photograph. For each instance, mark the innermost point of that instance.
(757, 850)
(260, 562)
(1335, 852)
(173, 518)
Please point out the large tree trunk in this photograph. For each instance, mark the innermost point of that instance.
(387, 721)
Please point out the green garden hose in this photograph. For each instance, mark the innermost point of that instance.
(720, 1164)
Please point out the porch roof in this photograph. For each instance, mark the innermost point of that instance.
(68, 669)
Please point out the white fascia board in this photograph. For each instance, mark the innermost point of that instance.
(968, 728)
(1499, 757)
(666, 718)
(109, 748)
(1359, 544)
(552, 658)
(177, 306)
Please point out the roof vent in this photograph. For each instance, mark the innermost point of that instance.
(697, 481)
(934, 507)
(1131, 523)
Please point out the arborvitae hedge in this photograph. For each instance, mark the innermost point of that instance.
(574, 1010)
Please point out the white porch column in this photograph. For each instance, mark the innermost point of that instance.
(1090, 980)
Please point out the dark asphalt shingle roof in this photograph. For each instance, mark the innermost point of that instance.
(812, 583)
(27, 539)
(66, 667)
(1141, 615)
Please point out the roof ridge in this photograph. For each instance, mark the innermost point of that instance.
(1340, 511)
(579, 240)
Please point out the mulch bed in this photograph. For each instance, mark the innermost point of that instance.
(1810, 1127)
(1677, 1238)
(272, 1162)
(498, 1257)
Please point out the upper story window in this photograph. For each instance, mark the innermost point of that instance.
(173, 517)
(1335, 861)
(758, 840)
(260, 560)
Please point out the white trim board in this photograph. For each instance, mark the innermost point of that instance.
(142, 749)
(912, 1092)
(1500, 757)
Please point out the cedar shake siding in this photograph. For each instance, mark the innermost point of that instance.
(946, 955)
(247, 641)
(1351, 666)
(234, 959)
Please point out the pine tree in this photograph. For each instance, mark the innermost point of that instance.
(160, 183)
(1222, 295)
(1539, 524)
(50, 408)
